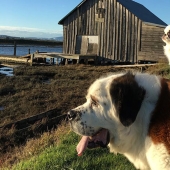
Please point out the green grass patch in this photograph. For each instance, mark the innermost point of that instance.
(64, 156)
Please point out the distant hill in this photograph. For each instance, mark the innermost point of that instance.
(32, 38)
(5, 39)
(58, 38)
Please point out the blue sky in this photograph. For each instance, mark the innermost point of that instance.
(39, 18)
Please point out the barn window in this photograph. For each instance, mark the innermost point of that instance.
(100, 11)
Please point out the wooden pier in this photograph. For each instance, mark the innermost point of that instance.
(61, 58)
(13, 59)
(67, 57)
(39, 57)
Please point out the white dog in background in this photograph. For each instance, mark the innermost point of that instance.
(166, 39)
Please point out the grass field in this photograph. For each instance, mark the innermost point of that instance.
(63, 156)
(37, 89)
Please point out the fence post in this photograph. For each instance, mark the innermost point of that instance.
(15, 47)
(32, 57)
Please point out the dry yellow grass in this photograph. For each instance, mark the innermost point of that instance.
(34, 146)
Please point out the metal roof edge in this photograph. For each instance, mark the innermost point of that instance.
(60, 22)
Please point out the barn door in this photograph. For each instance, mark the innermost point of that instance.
(86, 44)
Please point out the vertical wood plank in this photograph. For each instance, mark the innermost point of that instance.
(110, 27)
(90, 18)
(117, 31)
(87, 18)
(132, 39)
(139, 35)
(78, 17)
(135, 37)
(114, 30)
(129, 37)
(123, 33)
(65, 39)
(101, 25)
(126, 35)
(80, 21)
(101, 32)
(120, 33)
(67, 36)
(105, 30)
(72, 37)
(93, 19)
(108, 51)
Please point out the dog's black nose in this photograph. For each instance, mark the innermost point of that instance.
(71, 115)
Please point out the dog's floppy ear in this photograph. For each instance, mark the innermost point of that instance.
(127, 96)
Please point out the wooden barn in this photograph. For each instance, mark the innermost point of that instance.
(114, 30)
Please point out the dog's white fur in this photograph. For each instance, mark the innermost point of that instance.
(132, 141)
(166, 39)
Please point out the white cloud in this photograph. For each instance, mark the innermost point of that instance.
(29, 32)
(19, 29)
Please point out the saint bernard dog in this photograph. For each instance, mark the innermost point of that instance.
(129, 112)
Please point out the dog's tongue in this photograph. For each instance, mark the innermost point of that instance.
(82, 145)
(99, 140)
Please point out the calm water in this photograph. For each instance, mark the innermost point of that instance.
(23, 49)
(8, 71)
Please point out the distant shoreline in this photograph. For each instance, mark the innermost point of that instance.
(27, 45)
(24, 41)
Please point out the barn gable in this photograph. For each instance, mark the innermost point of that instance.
(137, 9)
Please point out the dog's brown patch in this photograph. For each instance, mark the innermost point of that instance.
(159, 129)
(127, 97)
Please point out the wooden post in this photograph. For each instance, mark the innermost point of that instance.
(29, 51)
(15, 47)
(96, 60)
(32, 57)
(51, 60)
(86, 61)
(66, 61)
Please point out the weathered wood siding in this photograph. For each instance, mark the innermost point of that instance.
(119, 32)
(151, 43)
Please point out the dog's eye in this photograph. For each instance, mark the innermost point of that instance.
(94, 103)
(168, 34)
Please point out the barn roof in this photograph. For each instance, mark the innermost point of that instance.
(137, 9)
(141, 12)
